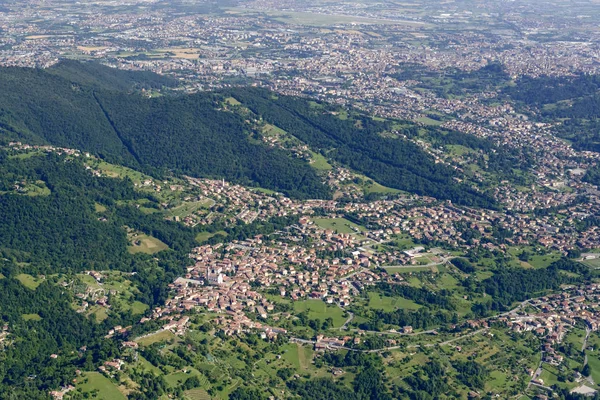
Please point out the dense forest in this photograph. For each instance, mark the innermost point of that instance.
(26, 368)
(84, 106)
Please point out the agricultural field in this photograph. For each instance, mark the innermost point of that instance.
(340, 225)
(31, 317)
(204, 236)
(388, 304)
(161, 336)
(141, 243)
(104, 388)
(318, 309)
(187, 208)
(29, 281)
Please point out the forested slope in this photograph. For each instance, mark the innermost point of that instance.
(96, 109)
(86, 107)
(359, 144)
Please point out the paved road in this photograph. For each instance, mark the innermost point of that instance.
(350, 318)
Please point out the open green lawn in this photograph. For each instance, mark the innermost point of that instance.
(145, 244)
(196, 394)
(429, 121)
(107, 390)
(118, 171)
(188, 208)
(179, 377)
(594, 363)
(204, 236)
(137, 307)
(592, 263)
(161, 336)
(340, 225)
(29, 281)
(406, 269)
(319, 162)
(232, 101)
(318, 309)
(388, 304)
(378, 188)
(99, 208)
(496, 381)
(31, 317)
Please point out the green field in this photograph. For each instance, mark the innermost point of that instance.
(180, 377)
(118, 171)
(406, 269)
(29, 281)
(95, 381)
(389, 304)
(232, 101)
(197, 394)
(187, 208)
(146, 244)
(204, 236)
(99, 208)
(31, 317)
(161, 336)
(592, 263)
(339, 225)
(318, 309)
(319, 162)
(378, 188)
(429, 121)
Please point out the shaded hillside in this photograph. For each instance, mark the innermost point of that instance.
(95, 75)
(100, 110)
(83, 106)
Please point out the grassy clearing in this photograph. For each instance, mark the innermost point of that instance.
(389, 304)
(340, 225)
(196, 394)
(378, 188)
(31, 317)
(29, 281)
(161, 336)
(99, 208)
(204, 236)
(137, 307)
(118, 171)
(179, 377)
(96, 381)
(145, 244)
(458, 150)
(232, 101)
(188, 208)
(319, 162)
(406, 269)
(594, 363)
(429, 121)
(318, 309)
(38, 188)
(592, 263)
